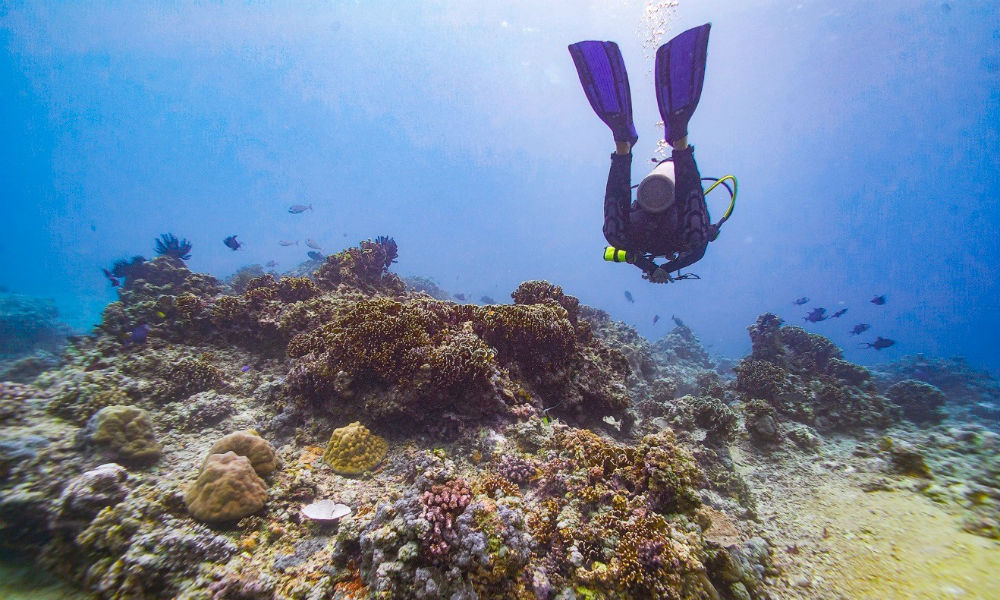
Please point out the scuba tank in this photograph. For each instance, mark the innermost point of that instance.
(655, 193)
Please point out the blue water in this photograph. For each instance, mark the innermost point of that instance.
(864, 135)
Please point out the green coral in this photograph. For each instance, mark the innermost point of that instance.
(353, 449)
(127, 431)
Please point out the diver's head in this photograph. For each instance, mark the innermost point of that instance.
(656, 191)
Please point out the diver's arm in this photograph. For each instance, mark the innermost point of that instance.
(617, 202)
(685, 259)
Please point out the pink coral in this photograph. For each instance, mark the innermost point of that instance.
(442, 503)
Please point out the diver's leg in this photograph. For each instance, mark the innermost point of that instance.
(618, 196)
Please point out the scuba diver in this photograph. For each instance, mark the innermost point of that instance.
(669, 217)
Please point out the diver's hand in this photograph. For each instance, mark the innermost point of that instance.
(658, 276)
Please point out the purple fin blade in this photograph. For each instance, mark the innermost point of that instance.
(680, 74)
(605, 82)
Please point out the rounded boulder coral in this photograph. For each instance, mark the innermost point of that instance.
(127, 431)
(227, 489)
(353, 449)
(251, 445)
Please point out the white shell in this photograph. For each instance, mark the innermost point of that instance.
(326, 511)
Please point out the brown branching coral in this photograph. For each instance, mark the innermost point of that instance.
(364, 267)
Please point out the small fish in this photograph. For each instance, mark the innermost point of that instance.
(487, 300)
(879, 343)
(139, 334)
(838, 314)
(655, 319)
(817, 315)
(628, 296)
(315, 255)
(271, 263)
(288, 242)
(878, 300)
(800, 301)
(299, 208)
(460, 297)
(860, 328)
(115, 282)
(312, 244)
(677, 321)
(245, 368)
(231, 243)
(161, 314)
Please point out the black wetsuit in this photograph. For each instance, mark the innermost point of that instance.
(683, 229)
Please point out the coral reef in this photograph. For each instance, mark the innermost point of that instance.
(353, 449)
(126, 431)
(364, 267)
(227, 489)
(249, 444)
(28, 324)
(427, 286)
(804, 377)
(920, 402)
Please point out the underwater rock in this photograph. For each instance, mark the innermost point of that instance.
(17, 449)
(227, 489)
(238, 281)
(353, 449)
(138, 548)
(920, 402)
(427, 286)
(28, 324)
(249, 444)
(957, 380)
(86, 494)
(23, 370)
(14, 399)
(127, 431)
(761, 421)
(907, 459)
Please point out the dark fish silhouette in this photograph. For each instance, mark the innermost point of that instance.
(231, 243)
(313, 244)
(139, 334)
(860, 328)
(628, 296)
(879, 343)
(460, 297)
(817, 315)
(655, 319)
(487, 300)
(271, 263)
(115, 282)
(315, 255)
(878, 300)
(800, 301)
(299, 208)
(677, 321)
(838, 314)
(288, 242)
